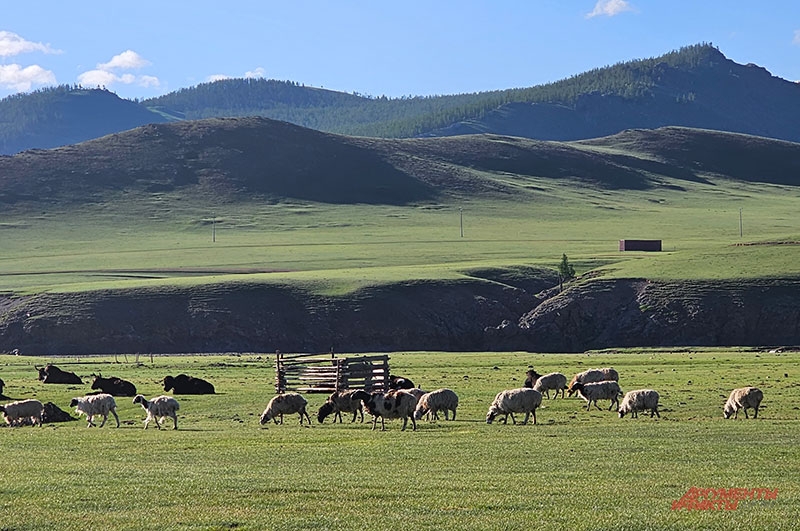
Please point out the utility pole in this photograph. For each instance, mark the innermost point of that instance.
(214, 229)
(740, 223)
(461, 218)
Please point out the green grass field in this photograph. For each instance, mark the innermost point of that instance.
(575, 469)
(169, 239)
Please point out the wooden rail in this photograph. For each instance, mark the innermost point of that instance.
(315, 373)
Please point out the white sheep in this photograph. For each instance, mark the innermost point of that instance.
(639, 400)
(17, 413)
(160, 407)
(440, 400)
(285, 404)
(606, 374)
(523, 400)
(743, 398)
(592, 392)
(91, 405)
(552, 381)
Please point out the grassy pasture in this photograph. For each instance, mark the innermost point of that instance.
(168, 239)
(576, 469)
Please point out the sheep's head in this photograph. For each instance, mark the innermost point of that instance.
(266, 417)
(621, 412)
(139, 399)
(728, 411)
(492, 414)
(421, 412)
(74, 402)
(324, 411)
(575, 387)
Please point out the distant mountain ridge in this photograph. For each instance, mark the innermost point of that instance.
(696, 86)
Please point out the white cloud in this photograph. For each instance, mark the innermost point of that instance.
(609, 8)
(108, 74)
(258, 72)
(104, 78)
(12, 44)
(796, 39)
(22, 79)
(127, 60)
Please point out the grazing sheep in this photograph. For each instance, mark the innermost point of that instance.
(591, 376)
(639, 400)
(347, 401)
(114, 386)
(592, 392)
(399, 382)
(50, 374)
(523, 400)
(396, 404)
(440, 400)
(160, 407)
(743, 398)
(552, 381)
(18, 413)
(284, 405)
(187, 385)
(92, 405)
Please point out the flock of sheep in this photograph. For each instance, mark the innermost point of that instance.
(402, 401)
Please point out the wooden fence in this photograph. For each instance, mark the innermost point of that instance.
(316, 373)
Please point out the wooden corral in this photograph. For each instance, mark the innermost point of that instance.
(316, 373)
(640, 245)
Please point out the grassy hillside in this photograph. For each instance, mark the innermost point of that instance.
(284, 203)
(222, 470)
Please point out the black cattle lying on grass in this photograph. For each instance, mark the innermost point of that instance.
(2, 384)
(53, 375)
(188, 385)
(114, 386)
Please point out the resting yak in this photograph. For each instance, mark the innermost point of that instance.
(53, 375)
(114, 386)
(187, 385)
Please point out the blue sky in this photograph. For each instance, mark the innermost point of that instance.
(410, 48)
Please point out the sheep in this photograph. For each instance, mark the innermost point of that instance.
(593, 375)
(440, 400)
(399, 382)
(187, 385)
(17, 413)
(395, 404)
(553, 380)
(162, 406)
(592, 392)
(50, 374)
(114, 386)
(283, 405)
(523, 400)
(530, 378)
(639, 400)
(347, 401)
(743, 398)
(2, 384)
(92, 405)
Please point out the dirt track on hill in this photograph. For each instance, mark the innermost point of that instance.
(474, 314)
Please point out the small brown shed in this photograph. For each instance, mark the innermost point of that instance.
(640, 245)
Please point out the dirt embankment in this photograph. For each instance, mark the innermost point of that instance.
(469, 315)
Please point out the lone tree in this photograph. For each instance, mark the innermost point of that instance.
(565, 270)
